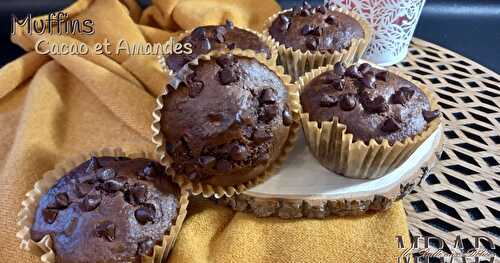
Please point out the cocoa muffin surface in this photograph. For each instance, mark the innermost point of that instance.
(207, 38)
(107, 210)
(312, 29)
(227, 122)
(372, 103)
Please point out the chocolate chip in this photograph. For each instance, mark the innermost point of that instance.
(220, 30)
(347, 103)
(205, 44)
(390, 125)
(331, 20)
(352, 71)
(402, 96)
(368, 80)
(199, 33)
(430, 115)
(307, 29)
(339, 69)
(382, 75)
(61, 201)
(49, 215)
(93, 165)
(104, 174)
(206, 160)
(363, 68)
(113, 185)
(231, 46)
(328, 101)
(229, 24)
(270, 112)
(338, 84)
(227, 76)
(267, 96)
(227, 60)
(239, 152)
(306, 5)
(305, 12)
(296, 11)
(377, 105)
(287, 118)
(90, 202)
(311, 44)
(284, 19)
(106, 230)
(145, 214)
(223, 166)
(145, 247)
(82, 189)
(219, 37)
(70, 229)
(139, 193)
(261, 135)
(321, 9)
(152, 169)
(316, 31)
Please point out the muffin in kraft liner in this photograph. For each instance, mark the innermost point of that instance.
(217, 191)
(264, 38)
(49, 179)
(336, 150)
(297, 62)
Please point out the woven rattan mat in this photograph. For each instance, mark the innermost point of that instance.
(461, 197)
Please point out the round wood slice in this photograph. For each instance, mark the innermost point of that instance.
(304, 188)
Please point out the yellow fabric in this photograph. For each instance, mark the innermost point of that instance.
(52, 107)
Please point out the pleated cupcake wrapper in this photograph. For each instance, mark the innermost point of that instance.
(45, 246)
(336, 150)
(297, 62)
(266, 39)
(217, 191)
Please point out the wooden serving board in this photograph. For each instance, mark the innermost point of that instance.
(304, 188)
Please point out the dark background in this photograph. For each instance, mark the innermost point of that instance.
(469, 27)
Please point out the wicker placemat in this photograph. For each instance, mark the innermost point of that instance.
(462, 195)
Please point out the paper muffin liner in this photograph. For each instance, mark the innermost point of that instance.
(217, 191)
(337, 151)
(266, 39)
(297, 62)
(44, 246)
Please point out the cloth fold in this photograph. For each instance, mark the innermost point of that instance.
(55, 106)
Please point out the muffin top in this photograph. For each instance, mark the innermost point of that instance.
(107, 210)
(372, 103)
(227, 121)
(206, 38)
(315, 29)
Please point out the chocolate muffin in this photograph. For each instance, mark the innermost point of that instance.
(107, 210)
(227, 121)
(372, 103)
(206, 38)
(312, 29)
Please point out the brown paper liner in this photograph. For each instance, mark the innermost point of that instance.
(296, 62)
(335, 149)
(30, 204)
(266, 39)
(208, 190)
